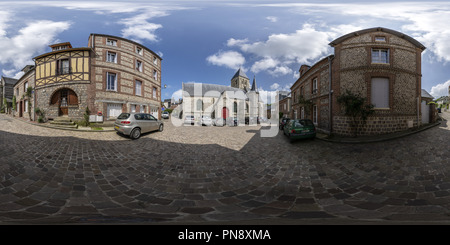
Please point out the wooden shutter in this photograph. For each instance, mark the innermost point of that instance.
(72, 98)
(56, 97)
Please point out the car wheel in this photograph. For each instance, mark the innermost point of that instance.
(161, 127)
(135, 133)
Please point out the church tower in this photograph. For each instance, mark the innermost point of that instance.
(240, 80)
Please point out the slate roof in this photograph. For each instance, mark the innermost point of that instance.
(425, 94)
(210, 90)
(239, 73)
(398, 34)
(254, 87)
(9, 80)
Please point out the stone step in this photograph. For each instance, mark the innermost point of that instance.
(63, 126)
(62, 123)
(62, 119)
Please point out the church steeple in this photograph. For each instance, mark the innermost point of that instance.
(240, 80)
(254, 87)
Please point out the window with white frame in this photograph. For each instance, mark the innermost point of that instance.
(380, 39)
(315, 114)
(154, 93)
(138, 88)
(25, 86)
(380, 56)
(139, 65)
(111, 42)
(142, 109)
(139, 50)
(26, 105)
(314, 86)
(302, 113)
(133, 108)
(379, 95)
(155, 60)
(155, 75)
(111, 57)
(111, 81)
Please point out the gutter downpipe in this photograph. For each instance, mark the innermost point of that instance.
(330, 92)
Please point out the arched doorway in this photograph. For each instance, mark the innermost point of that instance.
(225, 113)
(63, 98)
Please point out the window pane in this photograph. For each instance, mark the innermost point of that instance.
(111, 82)
(380, 56)
(380, 92)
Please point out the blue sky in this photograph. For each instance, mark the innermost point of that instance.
(207, 41)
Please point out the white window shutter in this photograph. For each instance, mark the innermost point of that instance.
(380, 92)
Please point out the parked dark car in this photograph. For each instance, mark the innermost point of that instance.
(134, 124)
(283, 122)
(299, 129)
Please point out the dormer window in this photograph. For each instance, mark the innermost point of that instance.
(111, 42)
(380, 39)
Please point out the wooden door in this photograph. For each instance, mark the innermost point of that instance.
(224, 113)
(63, 106)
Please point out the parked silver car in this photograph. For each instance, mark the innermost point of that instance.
(189, 120)
(206, 120)
(165, 115)
(134, 124)
(219, 122)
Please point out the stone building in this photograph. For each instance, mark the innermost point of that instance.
(220, 101)
(284, 103)
(379, 64)
(25, 105)
(110, 76)
(7, 92)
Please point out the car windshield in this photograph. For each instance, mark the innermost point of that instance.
(302, 123)
(123, 116)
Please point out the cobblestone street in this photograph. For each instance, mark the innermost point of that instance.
(193, 174)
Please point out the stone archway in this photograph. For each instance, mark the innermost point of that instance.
(64, 98)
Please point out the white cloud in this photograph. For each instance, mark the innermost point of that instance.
(275, 86)
(236, 42)
(230, 59)
(31, 40)
(177, 95)
(280, 71)
(441, 89)
(264, 64)
(272, 18)
(303, 45)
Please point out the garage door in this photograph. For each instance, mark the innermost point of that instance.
(114, 110)
(154, 112)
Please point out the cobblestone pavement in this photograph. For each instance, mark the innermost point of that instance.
(194, 174)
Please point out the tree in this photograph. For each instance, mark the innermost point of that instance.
(357, 108)
(28, 94)
(307, 104)
(5, 105)
(14, 104)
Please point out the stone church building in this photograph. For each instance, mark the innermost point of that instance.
(240, 100)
